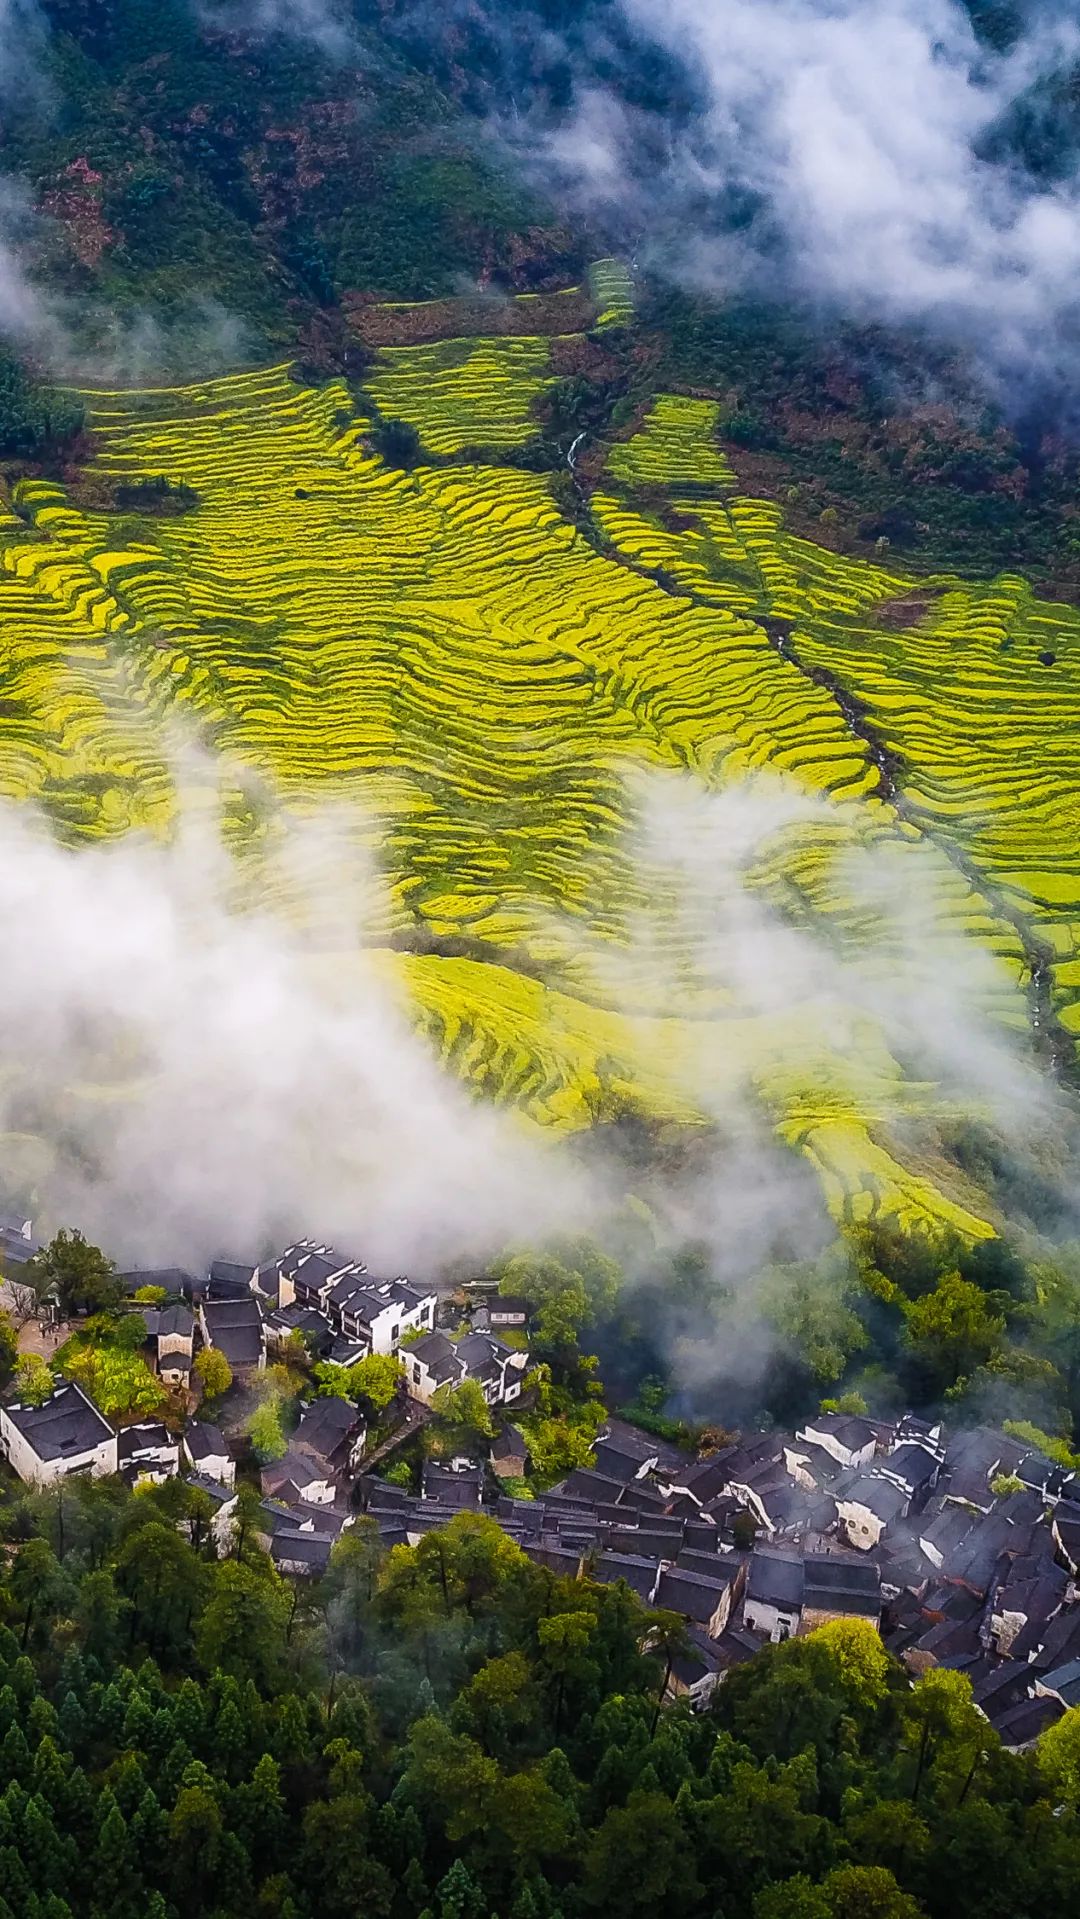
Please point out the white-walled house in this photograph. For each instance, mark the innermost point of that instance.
(437, 1361)
(65, 1435)
(847, 1438)
(380, 1313)
(207, 1453)
(147, 1450)
(866, 1505)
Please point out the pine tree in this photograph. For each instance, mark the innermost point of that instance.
(458, 1896)
(149, 1829)
(228, 1741)
(50, 1774)
(14, 1756)
(49, 1859)
(189, 1714)
(42, 1721)
(72, 1722)
(138, 1722)
(177, 1761)
(128, 1782)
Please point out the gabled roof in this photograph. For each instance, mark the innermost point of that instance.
(458, 1489)
(695, 1594)
(235, 1327)
(213, 1488)
(310, 1550)
(775, 1579)
(172, 1280)
(67, 1424)
(327, 1425)
(294, 1469)
(204, 1441)
(885, 1501)
(1064, 1681)
(848, 1429)
(231, 1272)
(638, 1572)
(438, 1354)
(912, 1463)
(839, 1583)
(149, 1435)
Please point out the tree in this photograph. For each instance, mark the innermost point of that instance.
(565, 1641)
(84, 1279)
(34, 1381)
(243, 1628)
(118, 1381)
(570, 1286)
(214, 1371)
(266, 1433)
(812, 1307)
(159, 1574)
(638, 1860)
(940, 1720)
(668, 1637)
(951, 1332)
(867, 1892)
(462, 1416)
(397, 442)
(376, 1379)
(1058, 1758)
(37, 1585)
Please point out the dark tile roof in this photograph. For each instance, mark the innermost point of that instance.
(148, 1435)
(833, 1581)
(638, 1572)
(1064, 1681)
(885, 1501)
(172, 1280)
(848, 1429)
(721, 1565)
(235, 1327)
(327, 1426)
(67, 1424)
(204, 1441)
(293, 1469)
(615, 1464)
(564, 1560)
(309, 1550)
(438, 1354)
(775, 1578)
(586, 1484)
(1019, 1725)
(697, 1595)
(458, 1489)
(231, 1272)
(213, 1488)
(913, 1464)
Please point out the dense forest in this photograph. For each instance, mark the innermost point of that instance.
(451, 1732)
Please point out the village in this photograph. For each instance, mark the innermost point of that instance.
(962, 1548)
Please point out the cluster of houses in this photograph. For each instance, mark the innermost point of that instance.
(247, 1312)
(962, 1549)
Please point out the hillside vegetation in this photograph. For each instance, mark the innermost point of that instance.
(489, 681)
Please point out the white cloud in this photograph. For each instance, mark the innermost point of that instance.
(860, 132)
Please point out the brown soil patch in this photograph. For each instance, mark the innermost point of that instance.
(452, 319)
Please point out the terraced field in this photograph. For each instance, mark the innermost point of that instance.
(549, 741)
(451, 390)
